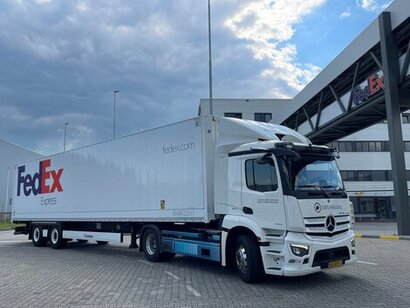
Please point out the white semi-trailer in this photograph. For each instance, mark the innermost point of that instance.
(255, 196)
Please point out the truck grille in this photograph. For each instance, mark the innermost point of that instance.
(323, 257)
(327, 226)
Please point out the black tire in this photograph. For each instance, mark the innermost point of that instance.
(151, 245)
(102, 242)
(37, 236)
(248, 259)
(82, 241)
(166, 256)
(56, 237)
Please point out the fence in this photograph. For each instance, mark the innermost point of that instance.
(5, 217)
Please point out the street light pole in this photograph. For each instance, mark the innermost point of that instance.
(210, 59)
(65, 133)
(115, 94)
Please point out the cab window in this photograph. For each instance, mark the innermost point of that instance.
(261, 177)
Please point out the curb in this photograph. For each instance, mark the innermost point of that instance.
(384, 237)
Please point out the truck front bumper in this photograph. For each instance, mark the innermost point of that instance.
(324, 253)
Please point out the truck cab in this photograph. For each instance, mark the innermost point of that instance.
(287, 195)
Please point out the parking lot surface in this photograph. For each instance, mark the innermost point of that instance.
(89, 275)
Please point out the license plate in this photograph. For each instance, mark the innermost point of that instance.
(334, 264)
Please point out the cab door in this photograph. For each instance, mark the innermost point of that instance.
(262, 196)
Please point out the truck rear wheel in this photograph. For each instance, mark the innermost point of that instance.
(56, 237)
(248, 259)
(37, 236)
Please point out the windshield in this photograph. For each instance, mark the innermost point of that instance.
(318, 173)
(310, 177)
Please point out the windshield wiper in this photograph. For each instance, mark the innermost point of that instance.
(318, 189)
(338, 190)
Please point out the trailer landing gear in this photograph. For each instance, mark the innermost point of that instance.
(133, 240)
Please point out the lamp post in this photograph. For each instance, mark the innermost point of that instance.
(113, 132)
(65, 133)
(210, 59)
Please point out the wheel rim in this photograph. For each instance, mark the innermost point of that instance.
(36, 234)
(54, 236)
(241, 259)
(151, 244)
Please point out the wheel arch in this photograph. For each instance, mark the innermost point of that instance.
(231, 239)
(232, 228)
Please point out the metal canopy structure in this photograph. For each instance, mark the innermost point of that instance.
(355, 97)
(367, 83)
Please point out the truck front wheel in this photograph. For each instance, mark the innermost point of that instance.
(37, 236)
(56, 237)
(248, 259)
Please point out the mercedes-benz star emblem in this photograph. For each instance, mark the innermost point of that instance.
(330, 223)
(318, 207)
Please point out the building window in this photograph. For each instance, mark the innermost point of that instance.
(406, 117)
(364, 146)
(263, 117)
(369, 175)
(373, 208)
(237, 115)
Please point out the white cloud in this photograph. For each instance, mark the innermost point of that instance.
(62, 59)
(268, 26)
(346, 14)
(373, 5)
(367, 4)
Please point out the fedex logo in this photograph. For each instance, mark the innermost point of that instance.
(39, 183)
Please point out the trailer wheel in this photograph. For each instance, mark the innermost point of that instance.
(37, 236)
(56, 237)
(248, 259)
(151, 245)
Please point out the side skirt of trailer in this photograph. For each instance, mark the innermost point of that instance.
(92, 236)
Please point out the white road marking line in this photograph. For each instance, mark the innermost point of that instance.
(14, 241)
(364, 262)
(172, 275)
(195, 292)
(145, 262)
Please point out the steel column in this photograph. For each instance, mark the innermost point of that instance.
(391, 72)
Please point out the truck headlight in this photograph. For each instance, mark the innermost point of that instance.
(299, 250)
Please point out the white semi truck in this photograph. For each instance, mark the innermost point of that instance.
(255, 196)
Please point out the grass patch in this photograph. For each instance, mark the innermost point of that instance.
(8, 226)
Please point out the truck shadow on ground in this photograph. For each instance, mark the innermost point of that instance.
(326, 280)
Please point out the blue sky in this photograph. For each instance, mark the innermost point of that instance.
(61, 60)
